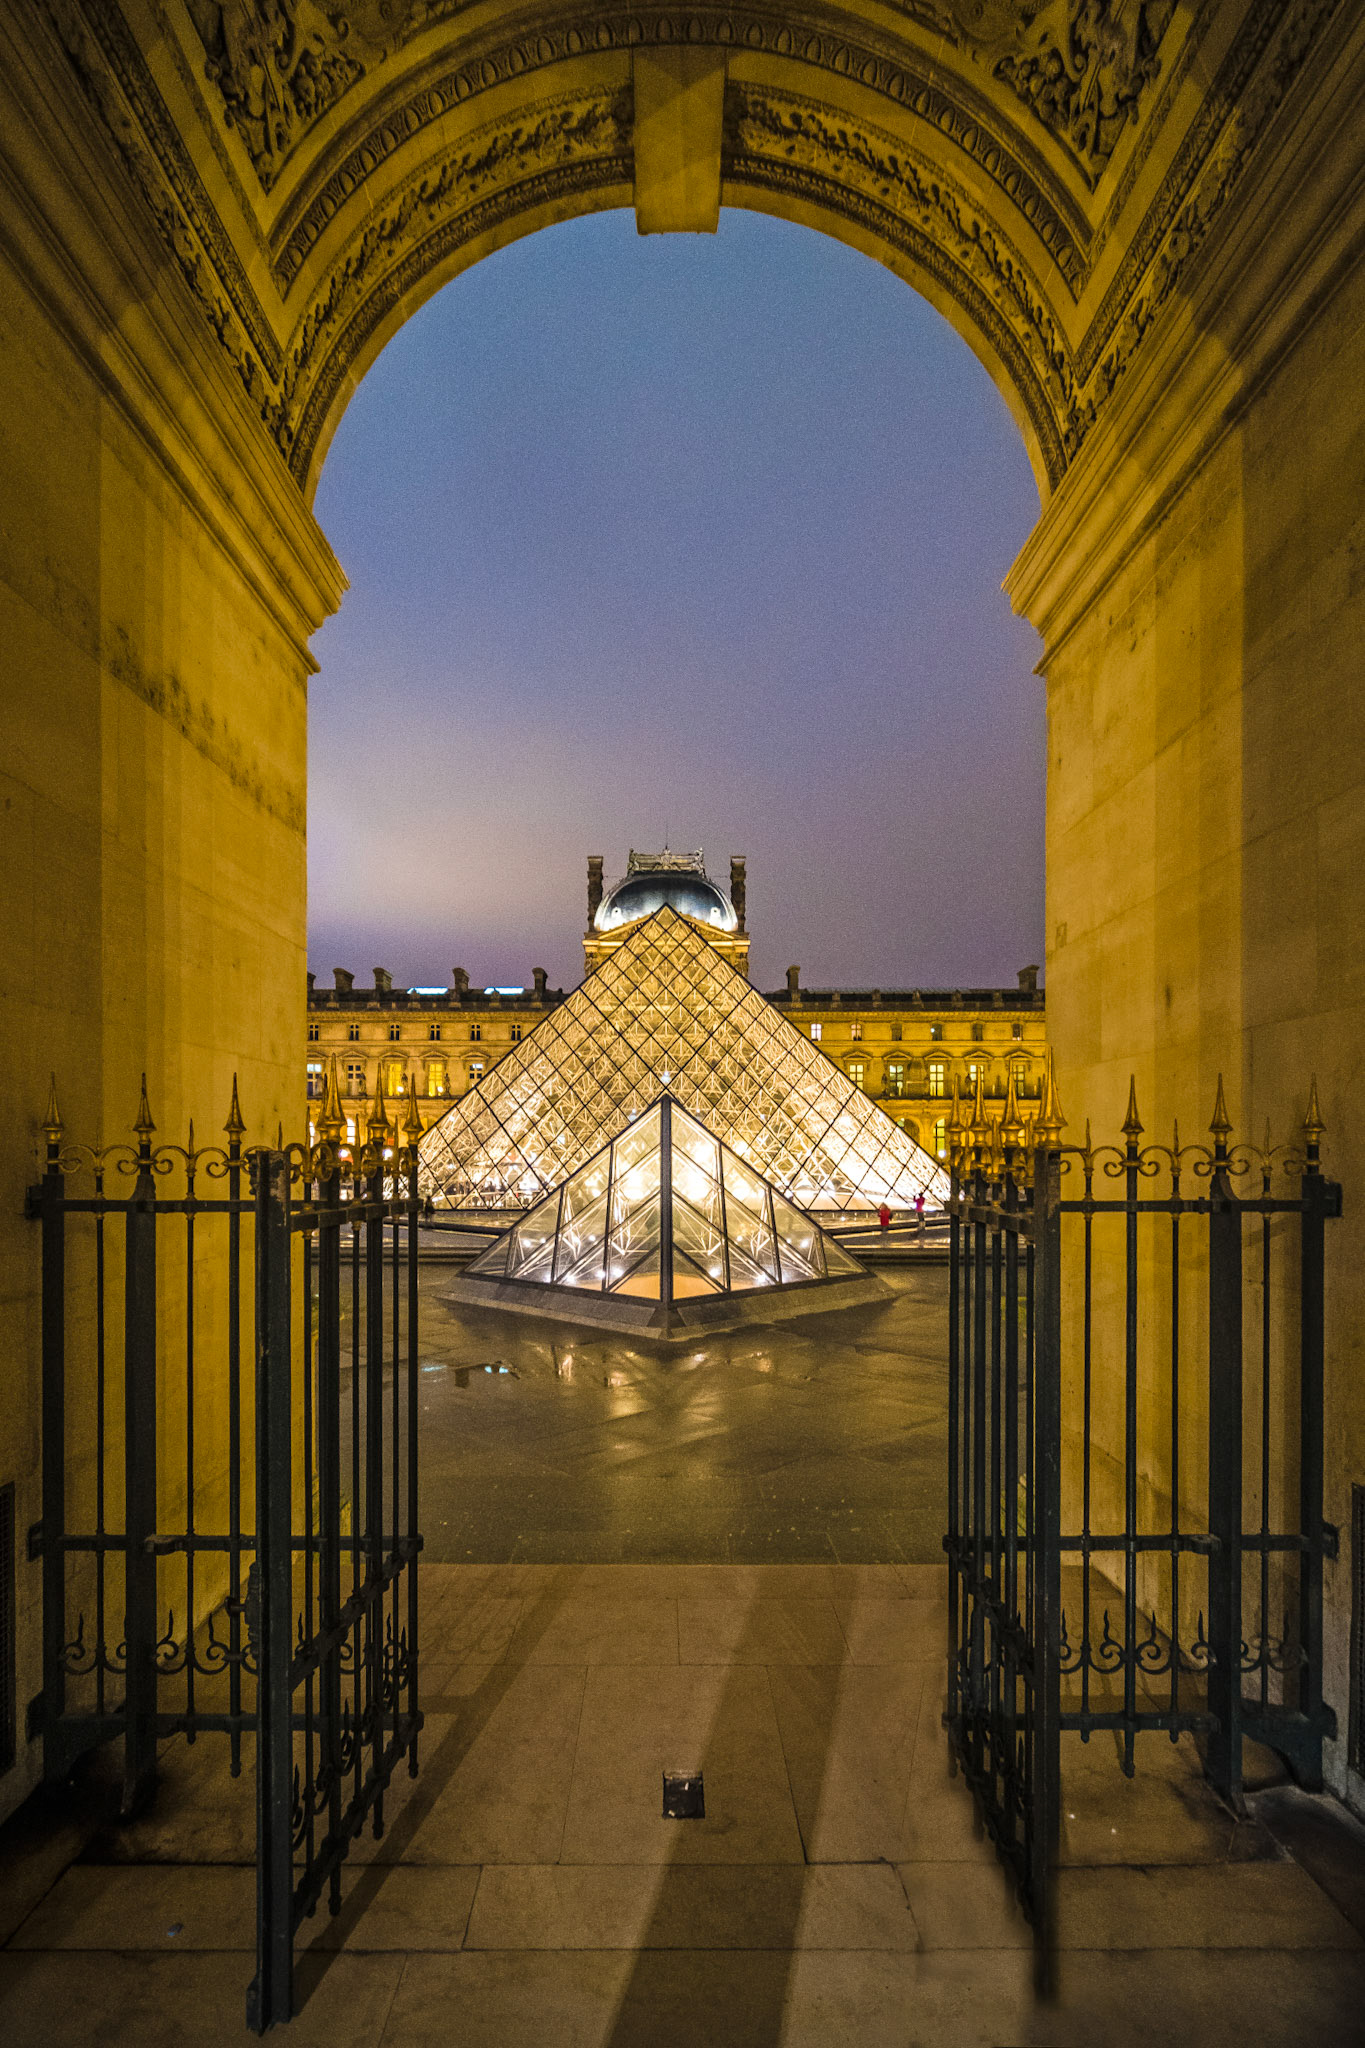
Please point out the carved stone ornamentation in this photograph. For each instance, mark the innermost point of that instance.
(771, 139)
(501, 170)
(891, 71)
(1098, 54)
(1080, 66)
(280, 64)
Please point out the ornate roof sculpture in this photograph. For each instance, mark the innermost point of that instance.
(666, 1231)
(666, 1012)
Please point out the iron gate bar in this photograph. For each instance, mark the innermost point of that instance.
(356, 1741)
(1010, 1648)
(333, 1665)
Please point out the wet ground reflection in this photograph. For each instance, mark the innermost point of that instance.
(819, 1441)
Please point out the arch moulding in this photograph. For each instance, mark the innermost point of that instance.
(1044, 175)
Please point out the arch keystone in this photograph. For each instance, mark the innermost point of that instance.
(679, 108)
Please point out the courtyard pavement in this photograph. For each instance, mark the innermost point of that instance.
(823, 1441)
(527, 1891)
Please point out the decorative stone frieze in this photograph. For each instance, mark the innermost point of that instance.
(1083, 67)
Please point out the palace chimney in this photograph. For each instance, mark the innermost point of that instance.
(312, 983)
(539, 977)
(594, 886)
(1028, 981)
(459, 982)
(344, 979)
(793, 983)
(738, 865)
(383, 981)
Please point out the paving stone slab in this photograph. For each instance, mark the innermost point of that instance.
(692, 1906)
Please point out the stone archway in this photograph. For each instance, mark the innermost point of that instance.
(1143, 215)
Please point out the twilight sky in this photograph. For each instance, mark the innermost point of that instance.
(697, 536)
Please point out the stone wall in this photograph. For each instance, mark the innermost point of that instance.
(157, 584)
(1206, 785)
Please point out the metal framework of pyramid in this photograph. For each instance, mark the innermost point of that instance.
(666, 1013)
(666, 1231)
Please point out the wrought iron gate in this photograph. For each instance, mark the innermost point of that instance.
(266, 1300)
(1101, 1575)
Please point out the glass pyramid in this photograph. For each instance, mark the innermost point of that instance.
(665, 1227)
(666, 1013)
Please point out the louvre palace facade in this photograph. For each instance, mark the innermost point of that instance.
(905, 1049)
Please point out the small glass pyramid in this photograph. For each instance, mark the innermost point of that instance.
(664, 1228)
(665, 1012)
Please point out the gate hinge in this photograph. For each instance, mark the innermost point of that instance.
(1331, 1541)
(35, 1541)
(33, 1718)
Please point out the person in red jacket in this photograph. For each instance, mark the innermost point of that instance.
(884, 1217)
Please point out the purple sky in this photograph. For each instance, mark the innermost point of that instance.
(696, 535)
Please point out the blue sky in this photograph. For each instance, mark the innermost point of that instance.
(696, 535)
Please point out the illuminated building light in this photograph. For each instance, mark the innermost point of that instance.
(665, 1215)
(666, 1012)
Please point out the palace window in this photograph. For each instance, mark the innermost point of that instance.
(355, 1077)
(895, 1077)
(434, 1033)
(1016, 1029)
(856, 1028)
(936, 1031)
(314, 1077)
(353, 1032)
(857, 1073)
(314, 1033)
(817, 1032)
(895, 1031)
(350, 1130)
(475, 1073)
(978, 1031)
(395, 1033)
(516, 1033)
(476, 1031)
(941, 1137)
(436, 1077)
(938, 1078)
(395, 1078)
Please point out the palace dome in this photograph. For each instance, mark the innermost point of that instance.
(685, 890)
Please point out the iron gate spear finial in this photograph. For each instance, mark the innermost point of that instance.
(1132, 1122)
(1313, 1126)
(1221, 1126)
(52, 1122)
(332, 1122)
(144, 1125)
(1050, 1125)
(234, 1126)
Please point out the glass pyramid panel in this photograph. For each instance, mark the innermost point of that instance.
(682, 1219)
(665, 1014)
